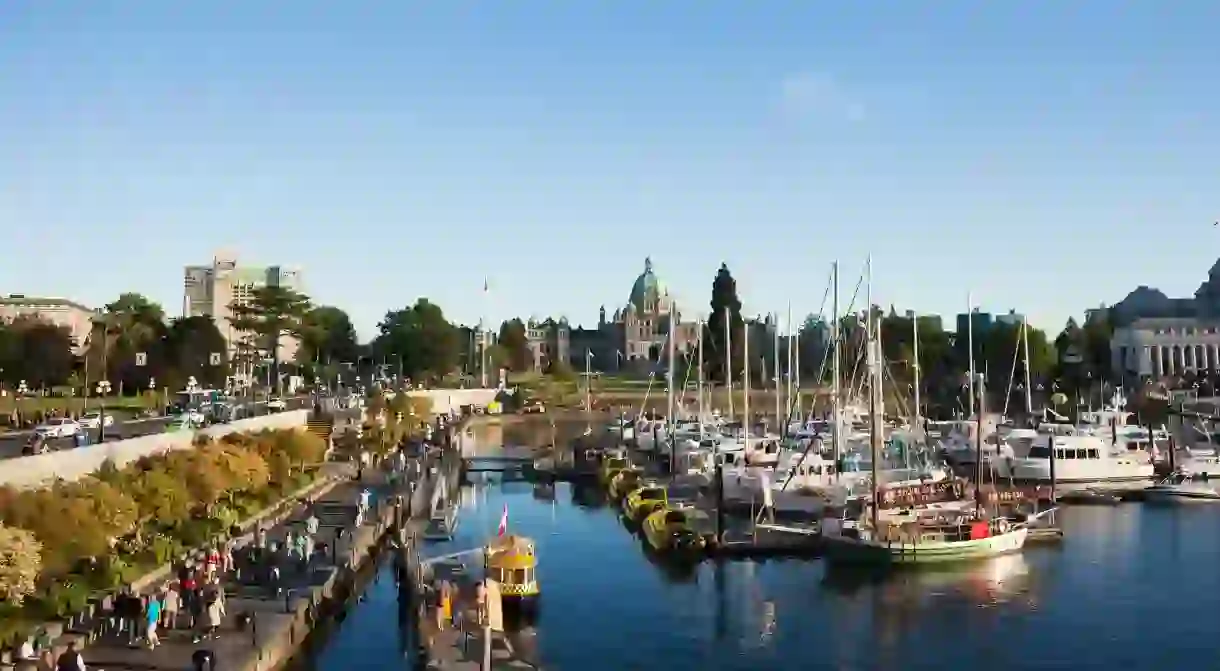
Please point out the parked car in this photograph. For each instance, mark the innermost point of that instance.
(277, 405)
(58, 428)
(92, 420)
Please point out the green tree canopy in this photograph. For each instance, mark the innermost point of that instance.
(724, 305)
(420, 339)
(515, 342)
(272, 312)
(36, 351)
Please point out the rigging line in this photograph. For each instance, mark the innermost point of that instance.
(1012, 374)
(792, 402)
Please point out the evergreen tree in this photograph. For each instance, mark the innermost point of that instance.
(724, 300)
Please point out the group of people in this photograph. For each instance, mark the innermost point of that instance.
(194, 601)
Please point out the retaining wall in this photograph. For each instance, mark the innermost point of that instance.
(76, 463)
(446, 400)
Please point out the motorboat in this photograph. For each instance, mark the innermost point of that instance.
(1181, 488)
(1079, 458)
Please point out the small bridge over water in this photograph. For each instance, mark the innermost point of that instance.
(498, 459)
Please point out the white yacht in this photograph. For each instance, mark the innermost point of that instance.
(1079, 458)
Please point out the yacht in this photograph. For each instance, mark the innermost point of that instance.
(1080, 458)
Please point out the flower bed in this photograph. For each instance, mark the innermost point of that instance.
(64, 543)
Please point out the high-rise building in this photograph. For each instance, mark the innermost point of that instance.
(211, 290)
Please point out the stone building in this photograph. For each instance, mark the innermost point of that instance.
(73, 316)
(1158, 336)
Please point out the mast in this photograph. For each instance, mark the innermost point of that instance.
(915, 365)
(873, 434)
(978, 449)
(834, 383)
(728, 358)
(588, 380)
(1029, 398)
(699, 386)
(970, 346)
(790, 366)
(779, 400)
(745, 384)
(794, 374)
(669, 383)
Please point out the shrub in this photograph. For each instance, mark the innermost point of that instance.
(20, 563)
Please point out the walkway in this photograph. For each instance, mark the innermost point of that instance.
(265, 616)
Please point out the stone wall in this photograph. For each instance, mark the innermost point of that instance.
(76, 463)
(446, 400)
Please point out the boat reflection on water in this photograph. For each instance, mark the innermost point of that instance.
(677, 569)
(544, 492)
(1004, 579)
(588, 495)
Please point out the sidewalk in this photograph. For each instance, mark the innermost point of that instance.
(255, 617)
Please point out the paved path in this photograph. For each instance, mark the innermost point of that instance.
(235, 645)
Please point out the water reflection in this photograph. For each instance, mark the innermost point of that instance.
(998, 580)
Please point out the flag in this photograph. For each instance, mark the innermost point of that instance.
(486, 287)
(503, 521)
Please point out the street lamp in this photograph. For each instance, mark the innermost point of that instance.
(103, 390)
(22, 390)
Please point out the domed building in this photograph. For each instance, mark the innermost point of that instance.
(635, 336)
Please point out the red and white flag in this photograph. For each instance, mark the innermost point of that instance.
(504, 521)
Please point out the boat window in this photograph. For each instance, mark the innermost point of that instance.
(1093, 453)
(674, 517)
(1039, 452)
(652, 493)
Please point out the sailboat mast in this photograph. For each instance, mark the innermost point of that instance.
(790, 366)
(779, 398)
(1029, 398)
(728, 357)
(699, 385)
(794, 375)
(669, 368)
(835, 375)
(873, 434)
(588, 380)
(915, 366)
(970, 347)
(745, 373)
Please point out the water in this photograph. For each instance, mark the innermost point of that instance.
(1132, 587)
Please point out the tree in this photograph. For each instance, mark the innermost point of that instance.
(190, 343)
(130, 325)
(724, 299)
(20, 563)
(328, 336)
(420, 338)
(514, 340)
(273, 312)
(36, 351)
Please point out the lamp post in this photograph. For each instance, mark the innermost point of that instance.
(103, 389)
(22, 390)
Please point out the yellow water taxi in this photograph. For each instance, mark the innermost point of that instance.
(624, 482)
(610, 468)
(643, 501)
(672, 529)
(512, 562)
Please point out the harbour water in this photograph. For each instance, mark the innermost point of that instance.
(1132, 587)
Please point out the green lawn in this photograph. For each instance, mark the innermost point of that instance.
(76, 404)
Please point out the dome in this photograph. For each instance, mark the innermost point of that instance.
(647, 290)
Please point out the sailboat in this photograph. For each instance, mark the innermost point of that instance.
(886, 530)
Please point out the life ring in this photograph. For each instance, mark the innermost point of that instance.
(1003, 526)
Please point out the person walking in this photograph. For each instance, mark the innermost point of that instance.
(152, 617)
(70, 659)
(170, 607)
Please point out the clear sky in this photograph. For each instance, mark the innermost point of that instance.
(1045, 155)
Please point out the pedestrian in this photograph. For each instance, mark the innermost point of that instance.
(70, 659)
(312, 524)
(109, 617)
(170, 606)
(203, 660)
(152, 616)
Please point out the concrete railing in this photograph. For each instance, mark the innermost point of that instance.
(74, 464)
(446, 400)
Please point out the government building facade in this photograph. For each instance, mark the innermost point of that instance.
(1158, 336)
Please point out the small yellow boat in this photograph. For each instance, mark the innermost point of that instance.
(624, 482)
(512, 562)
(643, 501)
(610, 468)
(672, 530)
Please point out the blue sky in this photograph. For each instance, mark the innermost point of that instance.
(1042, 155)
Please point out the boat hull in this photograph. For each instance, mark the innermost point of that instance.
(845, 550)
(1179, 497)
